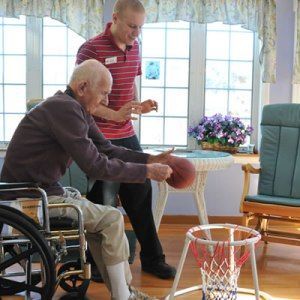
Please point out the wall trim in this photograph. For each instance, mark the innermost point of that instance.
(296, 93)
(193, 219)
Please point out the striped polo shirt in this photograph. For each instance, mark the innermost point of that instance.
(124, 67)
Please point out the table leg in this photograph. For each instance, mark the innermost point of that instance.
(200, 201)
(160, 203)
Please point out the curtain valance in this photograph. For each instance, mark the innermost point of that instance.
(83, 17)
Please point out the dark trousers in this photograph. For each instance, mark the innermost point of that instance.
(136, 200)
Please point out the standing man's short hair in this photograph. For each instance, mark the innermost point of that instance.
(135, 5)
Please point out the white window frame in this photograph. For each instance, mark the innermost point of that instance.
(260, 91)
(34, 70)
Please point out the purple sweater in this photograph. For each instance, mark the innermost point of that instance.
(57, 131)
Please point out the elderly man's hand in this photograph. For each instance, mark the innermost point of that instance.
(162, 158)
(149, 105)
(126, 111)
(158, 172)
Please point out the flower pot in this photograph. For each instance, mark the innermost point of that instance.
(219, 147)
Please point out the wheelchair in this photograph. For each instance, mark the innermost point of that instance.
(32, 246)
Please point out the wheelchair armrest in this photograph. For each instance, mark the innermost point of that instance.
(16, 185)
(59, 223)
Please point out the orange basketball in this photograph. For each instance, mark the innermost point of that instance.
(183, 172)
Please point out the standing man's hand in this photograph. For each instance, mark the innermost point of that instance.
(158, 172)
(149, 105)
(126, 111)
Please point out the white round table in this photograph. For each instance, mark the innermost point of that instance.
(204, 162)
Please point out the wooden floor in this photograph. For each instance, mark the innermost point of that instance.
(278, 269)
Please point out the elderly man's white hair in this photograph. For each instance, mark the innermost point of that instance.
(90, 70)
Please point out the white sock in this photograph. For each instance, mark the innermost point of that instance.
(119, 287)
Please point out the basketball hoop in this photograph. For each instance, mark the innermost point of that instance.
(220, 260)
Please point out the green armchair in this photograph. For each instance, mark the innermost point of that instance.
(278, 196)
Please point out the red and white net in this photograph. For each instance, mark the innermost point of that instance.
(220, 261)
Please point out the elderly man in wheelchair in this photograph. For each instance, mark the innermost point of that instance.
(48, 138)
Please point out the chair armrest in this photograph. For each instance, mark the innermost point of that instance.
(248, 169)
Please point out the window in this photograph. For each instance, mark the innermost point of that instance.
(173, 66)
(211, 73)
(165, 67)
(58, 57)
(12, 74)
(229, 71)
(45, 50)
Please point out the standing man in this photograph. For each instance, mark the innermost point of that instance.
(117, 48)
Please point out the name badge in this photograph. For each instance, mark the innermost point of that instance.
(110, 60)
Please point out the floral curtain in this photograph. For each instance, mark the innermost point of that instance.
(256, 15)
(83, 17)
(296, 77)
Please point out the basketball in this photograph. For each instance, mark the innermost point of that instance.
(183, 172)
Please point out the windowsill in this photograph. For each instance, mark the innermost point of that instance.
(3, 148)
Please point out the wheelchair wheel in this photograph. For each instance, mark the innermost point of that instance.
(23, 248)
(73, 283)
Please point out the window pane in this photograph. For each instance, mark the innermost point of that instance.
(51, 22)
(238, 28)
(11, 122)
(165, 78)
(1, 39)
(156, 94)
(1, 128)
(176, 131)
(55, 70)
(74, 42)
(14, 39)
(1, 100)
(151, 131)
(178, 24)
(241, 47)
(155, 25)
(15, 69)
(178, 49)
(50, 90)
(215, 102)
(176, 102)
(177, 72)
(241, 75)
(15, 98)
(71, 66)
(216, 74)
(19, 21)
(217, 45)
(240, 104)
(1, 69)
(153, 72)
(54, 40)
(153, 42)
(217, 26)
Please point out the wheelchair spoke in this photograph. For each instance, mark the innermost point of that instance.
(17, 258)
(8, 285)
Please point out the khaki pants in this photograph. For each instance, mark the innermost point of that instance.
(105, 231)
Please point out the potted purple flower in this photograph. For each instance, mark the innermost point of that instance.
(223, 133)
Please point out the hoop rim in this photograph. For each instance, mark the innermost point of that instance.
(256, 236)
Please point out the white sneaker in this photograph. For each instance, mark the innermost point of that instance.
(138, 295)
